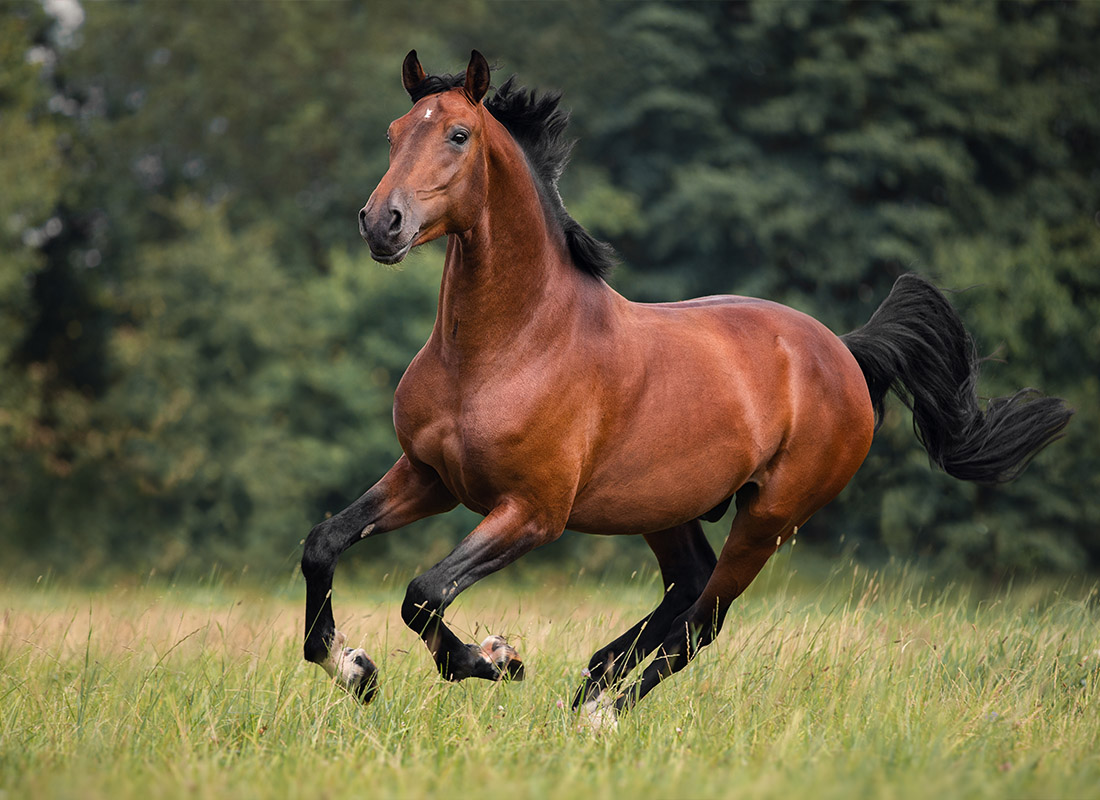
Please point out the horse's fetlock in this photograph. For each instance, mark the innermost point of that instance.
(316, 648)
(416, 610)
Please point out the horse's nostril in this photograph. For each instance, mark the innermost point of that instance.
(395, 221)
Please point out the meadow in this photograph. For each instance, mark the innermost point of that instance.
(836, 680)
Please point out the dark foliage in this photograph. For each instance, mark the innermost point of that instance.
(198, 359)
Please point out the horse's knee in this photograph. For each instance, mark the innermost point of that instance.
(318, 555)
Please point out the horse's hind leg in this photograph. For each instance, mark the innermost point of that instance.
(686, 560)
(759, 528)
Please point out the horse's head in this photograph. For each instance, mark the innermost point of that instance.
(438, 175)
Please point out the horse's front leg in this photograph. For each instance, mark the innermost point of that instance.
(404, 494)
(508, 532)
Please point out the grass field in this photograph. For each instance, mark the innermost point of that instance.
(851, 684)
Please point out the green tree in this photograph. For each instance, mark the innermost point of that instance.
(197, 360)
(30, 172)
(810, 153)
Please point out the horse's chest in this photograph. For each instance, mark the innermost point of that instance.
(472, 439)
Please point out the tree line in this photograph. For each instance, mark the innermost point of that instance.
(197, 358)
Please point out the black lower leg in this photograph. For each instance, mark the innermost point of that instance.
(690, 633)
(614, 661)
(506, 533)
(404, 494)
(686, 560)
(422, 610)
(323, 547)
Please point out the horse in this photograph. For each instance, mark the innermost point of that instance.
(544, 400)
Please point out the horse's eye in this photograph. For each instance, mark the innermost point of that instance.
(460, 137)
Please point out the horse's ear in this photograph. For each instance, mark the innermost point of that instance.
(412, 74)
(477, 77)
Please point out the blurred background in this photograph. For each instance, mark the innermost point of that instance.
(197, 357)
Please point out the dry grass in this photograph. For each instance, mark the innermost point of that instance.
(860, 684)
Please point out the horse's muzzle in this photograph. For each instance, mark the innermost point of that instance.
(388, 229)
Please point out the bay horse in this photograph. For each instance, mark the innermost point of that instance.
(544, 400)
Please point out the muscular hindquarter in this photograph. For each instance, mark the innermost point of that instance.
(755, 388)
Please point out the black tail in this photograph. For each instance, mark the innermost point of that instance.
(915, 344)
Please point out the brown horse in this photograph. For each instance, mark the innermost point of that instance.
(544, 400)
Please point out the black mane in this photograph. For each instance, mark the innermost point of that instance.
(538, 126)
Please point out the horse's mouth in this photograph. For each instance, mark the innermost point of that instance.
(394, 257)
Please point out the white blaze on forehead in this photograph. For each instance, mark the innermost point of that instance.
(428, 114)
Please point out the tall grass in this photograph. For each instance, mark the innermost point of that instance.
(878, 684)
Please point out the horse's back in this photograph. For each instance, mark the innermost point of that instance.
(714, 393)
(806, 379)
(760, 339)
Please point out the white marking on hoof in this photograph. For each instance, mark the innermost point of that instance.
(345, 666)
(497, 651)
(335, 654)
(598, 715)
(491, 644)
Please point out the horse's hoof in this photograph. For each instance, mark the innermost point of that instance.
(598, 715)
(361, 679)
(497, 651)
(352, 670)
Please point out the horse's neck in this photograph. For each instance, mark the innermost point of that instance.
(506, 283)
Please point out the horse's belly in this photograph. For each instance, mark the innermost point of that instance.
(617, 513)
(665, 479)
